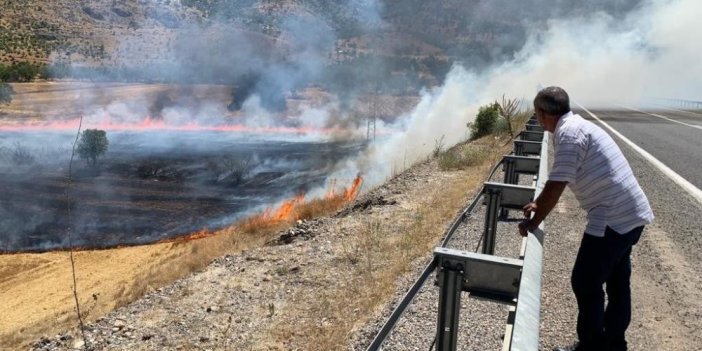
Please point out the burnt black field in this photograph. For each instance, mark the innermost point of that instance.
(150, 186)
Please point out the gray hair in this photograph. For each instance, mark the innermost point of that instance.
(552, 101)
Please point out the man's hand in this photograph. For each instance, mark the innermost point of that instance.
(529, 208)
(526, 226)
(536, 211)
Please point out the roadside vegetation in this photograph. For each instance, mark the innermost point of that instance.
(463, 156)
(500, 119)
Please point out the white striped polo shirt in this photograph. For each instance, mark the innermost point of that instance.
(600, 177)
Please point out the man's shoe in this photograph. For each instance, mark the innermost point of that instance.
(573, 347)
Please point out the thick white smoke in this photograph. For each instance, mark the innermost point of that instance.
(653, 52)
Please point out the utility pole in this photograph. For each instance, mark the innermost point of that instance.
(372, 114)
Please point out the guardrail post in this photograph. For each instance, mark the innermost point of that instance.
(450, 285)
(511, 177)
(493, 206)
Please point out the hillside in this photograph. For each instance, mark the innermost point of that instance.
(388, 44)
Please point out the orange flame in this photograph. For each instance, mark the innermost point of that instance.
(351, 193)
(297, 208)
(150, 124)
(288, 211)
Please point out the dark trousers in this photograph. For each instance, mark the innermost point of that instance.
(602, 261)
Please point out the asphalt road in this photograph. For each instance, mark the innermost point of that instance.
(673, 137)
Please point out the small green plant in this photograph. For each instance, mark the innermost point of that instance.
(438, 146)
(485, 120)
(271, 309)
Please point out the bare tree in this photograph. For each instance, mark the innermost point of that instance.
(509, 109)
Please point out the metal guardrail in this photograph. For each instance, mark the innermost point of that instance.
(683, 103)
(523, 147)
(399, 310)
(516, 282)
(525, 331)
(523, 322)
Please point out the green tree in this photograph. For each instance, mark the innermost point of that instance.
(485, 120)
(92, 144)
(6, 93)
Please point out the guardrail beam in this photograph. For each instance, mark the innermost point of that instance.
(530, 136)
(501, 196)
(534, 128)
(523, 147)
(513, 166)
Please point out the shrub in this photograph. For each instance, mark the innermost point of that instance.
(6, 93)
(230, 170)
(21, 156)
(485, 120)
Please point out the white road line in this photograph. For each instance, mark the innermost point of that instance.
(694, 191)
(663, 117)
(683, 111)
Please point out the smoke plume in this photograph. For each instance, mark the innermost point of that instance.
(601, 60)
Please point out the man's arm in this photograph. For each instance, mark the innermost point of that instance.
(542, 206)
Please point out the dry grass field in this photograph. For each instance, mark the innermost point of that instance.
(37, 289)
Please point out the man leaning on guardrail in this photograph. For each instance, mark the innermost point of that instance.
(591, 164)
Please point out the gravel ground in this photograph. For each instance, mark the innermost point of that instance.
(666, 283)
